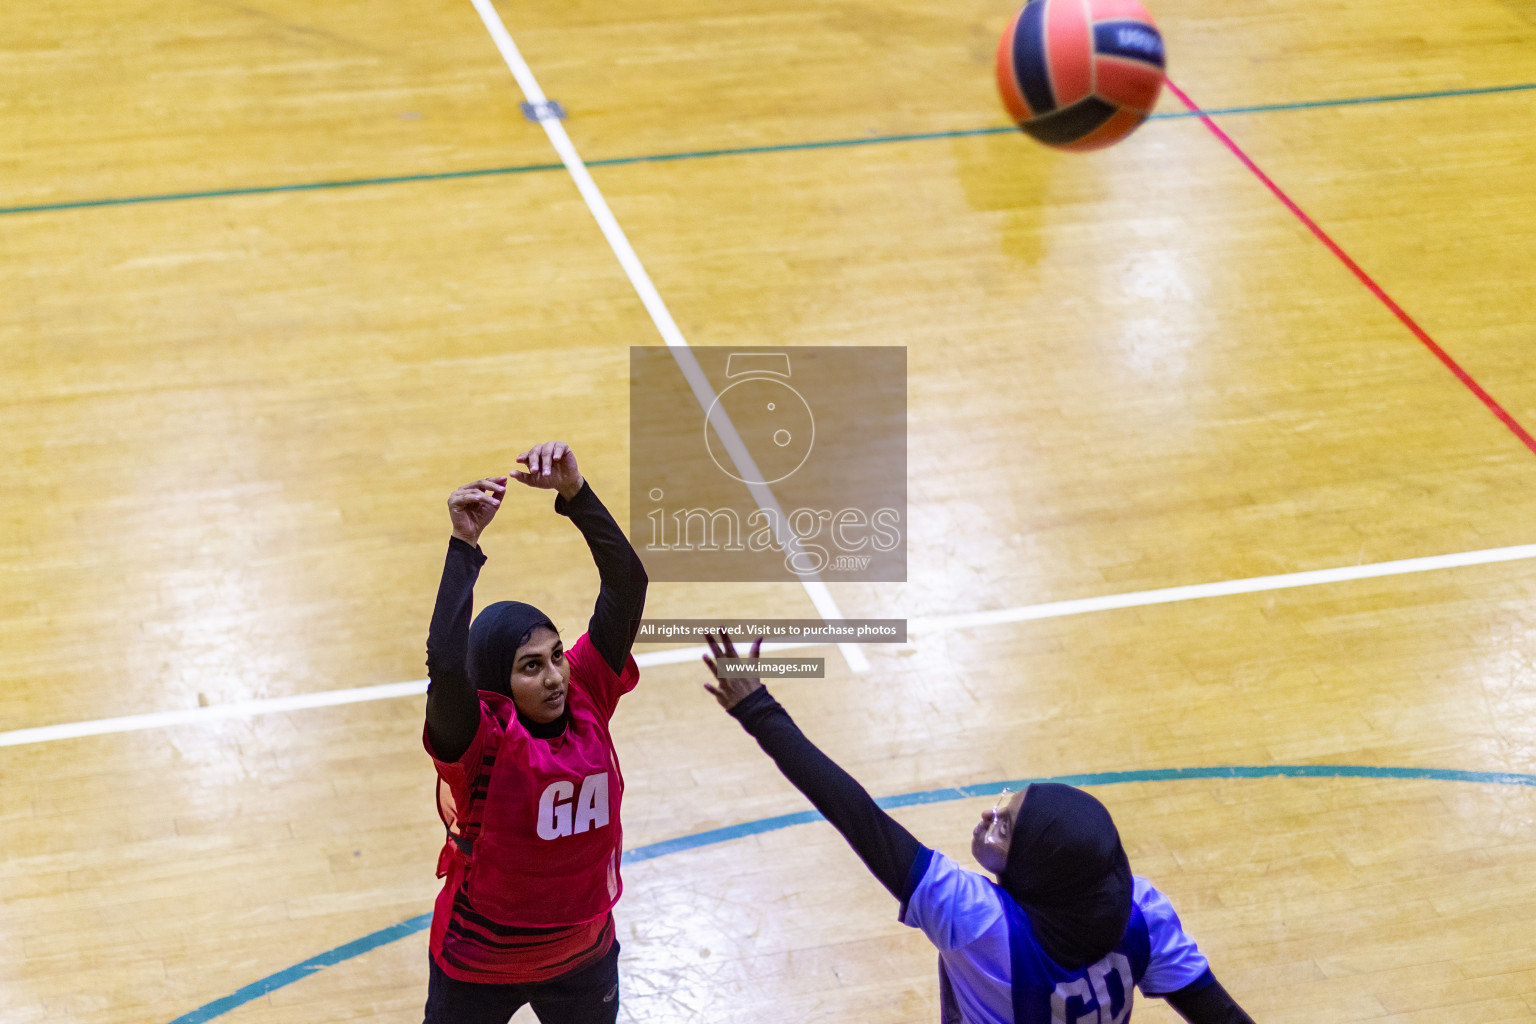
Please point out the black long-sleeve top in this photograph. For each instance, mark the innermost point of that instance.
(889, 851)
(453, 706)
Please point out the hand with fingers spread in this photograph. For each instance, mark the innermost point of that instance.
(472, 507)
(731, 689)
(552, 466)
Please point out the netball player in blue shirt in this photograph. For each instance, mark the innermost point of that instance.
(1063, 936)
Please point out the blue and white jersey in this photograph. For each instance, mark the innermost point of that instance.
(995, 972)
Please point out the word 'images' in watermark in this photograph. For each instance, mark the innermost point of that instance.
(849, 531)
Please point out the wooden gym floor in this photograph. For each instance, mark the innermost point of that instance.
(277, 276)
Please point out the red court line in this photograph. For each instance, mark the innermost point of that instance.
(1364, 278)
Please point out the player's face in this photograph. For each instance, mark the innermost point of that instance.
(993, 834)
(541, 676)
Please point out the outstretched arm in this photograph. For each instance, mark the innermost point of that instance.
(453, 707)
(621, 594)
(887, 849)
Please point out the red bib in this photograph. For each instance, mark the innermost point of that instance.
(538, 819)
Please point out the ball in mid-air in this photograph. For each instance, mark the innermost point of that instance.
(1080, 74)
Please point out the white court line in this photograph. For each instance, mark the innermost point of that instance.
(677, 655)
(235, 709)
(820, 596)
(1250, 585)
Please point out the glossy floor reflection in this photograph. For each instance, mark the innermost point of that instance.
(232, 423)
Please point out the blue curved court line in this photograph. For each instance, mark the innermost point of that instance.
(700, 154)
(346, 951)
(711, 837)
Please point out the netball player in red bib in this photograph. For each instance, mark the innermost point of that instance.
(528, 780)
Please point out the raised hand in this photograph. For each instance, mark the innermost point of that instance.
(730, 690)
(552, 466)
(472, 507)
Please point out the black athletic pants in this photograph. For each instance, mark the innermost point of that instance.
(587, 996)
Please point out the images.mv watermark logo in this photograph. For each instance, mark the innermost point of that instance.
(798, 466)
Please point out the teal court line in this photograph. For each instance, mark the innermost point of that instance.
(711, 837)
(701, 154)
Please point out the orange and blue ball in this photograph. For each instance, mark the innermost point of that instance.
(1080, 74)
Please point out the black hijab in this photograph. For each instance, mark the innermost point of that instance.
(498, 631)
(1068, 871)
